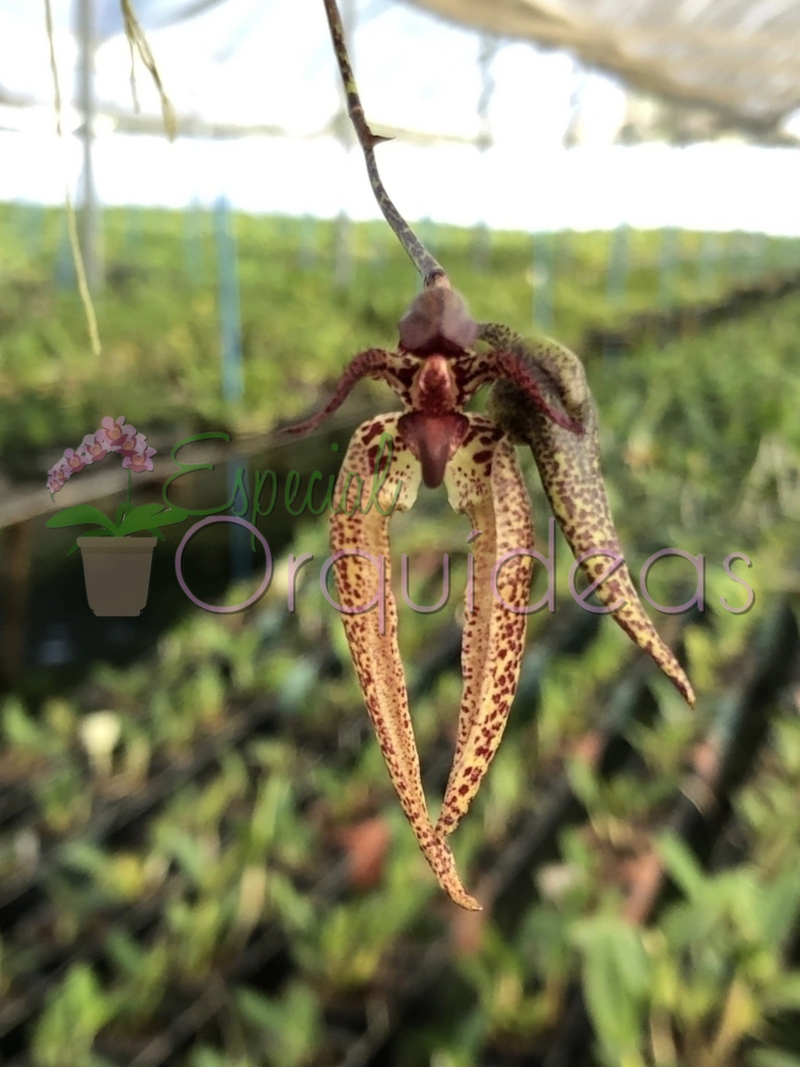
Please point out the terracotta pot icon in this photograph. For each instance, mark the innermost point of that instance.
(117, 573)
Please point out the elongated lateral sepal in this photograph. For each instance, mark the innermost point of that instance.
(537, 389)
(569, 466)
(359, 530)
(484, 481)
(373, 363)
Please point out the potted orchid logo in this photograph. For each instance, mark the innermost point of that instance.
(116, 564)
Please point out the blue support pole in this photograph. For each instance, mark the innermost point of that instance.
(428, 233)
(481, 247)
(378, 246)
(668, 262)
(619, 259)
(710, 256)
(789, 254)
(770, 257)
(241, 551)
(193, 219)
(758, 256)
(737, 256)
(30, 223)
(307, 249)
(543, 282)
(65, 267)
(230, 318)
(132, 241)
(229, 304)
(343, 265)
(566, 254)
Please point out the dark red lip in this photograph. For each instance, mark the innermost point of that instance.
(433, 439)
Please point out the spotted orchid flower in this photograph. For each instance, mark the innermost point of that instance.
(540, 398)
(569, 467)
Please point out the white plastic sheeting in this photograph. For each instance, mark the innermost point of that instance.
(740, 58)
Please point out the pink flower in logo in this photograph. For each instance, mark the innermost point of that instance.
(75, 461)
(61, 470)
(96, 446)
(115, 435)
(116, 431)
(128, 445)
(119, 437)
(140, 460)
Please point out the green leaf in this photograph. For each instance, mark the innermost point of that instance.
(124, 951)
(778, 906)
(187, 850)
(209, 1057)
(290, 1023)
(79, 515)
(83, 856)
(296, 911)
(75, 1011)
(785, 996)
(150, 517)
(616, 980)
(20, 729)
(122, 511)
(141, 517)
(584, 783)
(681, 864)
(770, 1057)
(258, 1010)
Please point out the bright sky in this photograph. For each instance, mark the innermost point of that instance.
(269, 61)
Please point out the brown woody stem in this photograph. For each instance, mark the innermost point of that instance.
(431, 271)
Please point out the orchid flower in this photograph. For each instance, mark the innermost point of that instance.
(96, 446)
(115, 431)
(113, 436)
(75, 461)
(127, 446)
(140, 459)
(55, 480)
(540, 397)
(136, 457)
